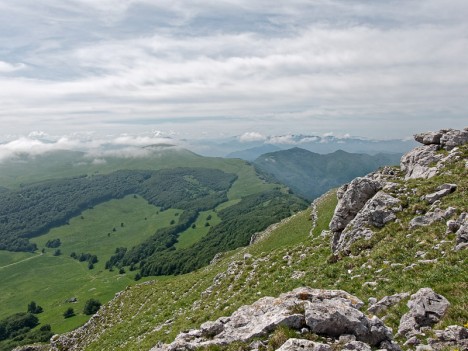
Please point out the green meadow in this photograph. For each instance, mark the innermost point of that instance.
(50, 280)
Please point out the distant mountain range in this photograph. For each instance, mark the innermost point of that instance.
(311, 174)
(251, 149)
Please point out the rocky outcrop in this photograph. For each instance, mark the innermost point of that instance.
(442, 190)
(425, 161)
(330, 313)
(377, 212)
(386, 302)
(426, 309)
(431, 217)
(305, 345)
(352, 198)
(453, 337)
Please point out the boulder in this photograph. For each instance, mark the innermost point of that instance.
(328, 312)
(378, 211)
(304, 345)
(336, 317)
(428, 138)
(426, 309)
(452, 138)
(386, 302)
(453, 337)
(431, 217)
(352, 200)
(420, 162)
(442, 190)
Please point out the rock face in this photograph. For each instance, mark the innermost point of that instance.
(330, 313)
(352, 198)
(378, 211)
(424, 161)
(426, 309)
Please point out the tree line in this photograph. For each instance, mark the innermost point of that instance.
(34, 209)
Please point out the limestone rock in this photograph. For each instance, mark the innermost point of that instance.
(428, 138)
(442, 190)
(336, 317)
(352, 200)
(452, 138)
(378, 211)
(426, 309)
(431, 217)
(357, 346)
(386, 302)
(328, 312)
(305, 345)
(425, 161)
(454, 336)
(462, 231)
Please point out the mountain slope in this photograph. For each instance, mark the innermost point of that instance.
(310, 174)
(396, 258)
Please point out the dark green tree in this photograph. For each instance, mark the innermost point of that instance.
(91, 307)
(34, 308)
(69, 313)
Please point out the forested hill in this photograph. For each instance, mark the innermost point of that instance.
(34, 209)
(310, 174)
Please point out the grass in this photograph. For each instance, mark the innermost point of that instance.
(50, 280)
(192, 235)
(149, 313)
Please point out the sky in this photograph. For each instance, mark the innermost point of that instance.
(215, 68)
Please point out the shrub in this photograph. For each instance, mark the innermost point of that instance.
(91, 307)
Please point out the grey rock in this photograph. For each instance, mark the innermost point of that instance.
(453, 337)
(419, 162)
(428, 138)
(424, 348)
(452, 226)
(386, 302)
(452, 138)
(426, 309)
(356, 345)
(209, 329)
(305, 345)
(431, 217)
(336, 317)
(462, 234)
(352, 200)
(377, 211)
(442, 191)
(321, 308)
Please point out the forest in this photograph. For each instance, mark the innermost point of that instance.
(34, 209)
(252, 214)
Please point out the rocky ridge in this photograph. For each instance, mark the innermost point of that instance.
(369, 202)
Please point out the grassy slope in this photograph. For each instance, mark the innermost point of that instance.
(136, 319)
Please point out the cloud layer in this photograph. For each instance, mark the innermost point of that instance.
(205, 68)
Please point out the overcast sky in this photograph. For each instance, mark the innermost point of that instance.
(208, 68)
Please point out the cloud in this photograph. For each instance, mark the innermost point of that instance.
(251, 136)
(288, 67)
(95, 147)
(6, 67)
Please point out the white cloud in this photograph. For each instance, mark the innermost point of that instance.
(95, 147)
(251, 136)
(294, 66)
(6, 67)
